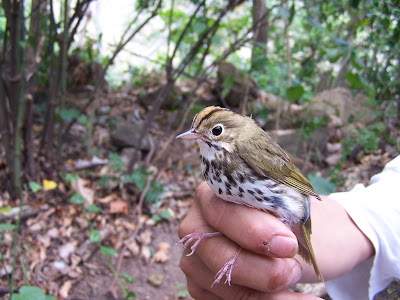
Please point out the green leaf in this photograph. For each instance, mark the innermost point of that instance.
(156, 218)
(165, 214)
(93, 208)
(70, 177)
(180, 285)
(127, 277)
(116, 163)
(353, 79)
(321, 185)
(227, 85)
(77, 199)
(333, 54)
(130, 294)
(94, 236)
(139, 178)
(108, 251)
(7, 226)
(35, 187)
(69, 114)
(357, 62)
(183, 293)
(199, 26)
(31, 293)
(154, 192)
(5, 209)
(295, 92)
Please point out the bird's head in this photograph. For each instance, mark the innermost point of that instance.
(220, 127)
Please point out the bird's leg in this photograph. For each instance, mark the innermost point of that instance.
(227, 270)
(187, 239)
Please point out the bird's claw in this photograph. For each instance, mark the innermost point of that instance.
(187, 239)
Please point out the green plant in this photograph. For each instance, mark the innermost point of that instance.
(367, 138)
(31, 293)
(310, 125)
(321, 185)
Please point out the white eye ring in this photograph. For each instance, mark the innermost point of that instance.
(217, 130)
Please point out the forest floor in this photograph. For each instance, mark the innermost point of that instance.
(71, 248)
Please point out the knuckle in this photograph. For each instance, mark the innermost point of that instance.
(182, 229)
(280, 276)
(195, 291)
(200, 190)
(186, 265)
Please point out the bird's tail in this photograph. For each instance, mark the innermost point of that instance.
(308, 253)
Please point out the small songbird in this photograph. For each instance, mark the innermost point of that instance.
(242, 164)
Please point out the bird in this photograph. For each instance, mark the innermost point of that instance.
(242, 164)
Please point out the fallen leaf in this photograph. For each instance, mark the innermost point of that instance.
(119, 206)
(108, 199)
(162, 254)
(145, 237)
(66, 250)
(145, 253)
(66, 287)
(49, 185)
(79, 186)
(155, 279)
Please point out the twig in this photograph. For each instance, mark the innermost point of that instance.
(24, 215)
(135, 233)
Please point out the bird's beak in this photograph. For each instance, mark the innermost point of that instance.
(189, 135)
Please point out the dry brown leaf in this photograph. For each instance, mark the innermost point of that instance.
(145, 253)
(66, 250)
(162, 254)
(66, 287)
(119, 206)
(108, 198)
(145, 237)
(79, 186)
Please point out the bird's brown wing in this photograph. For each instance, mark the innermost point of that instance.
(274, 163)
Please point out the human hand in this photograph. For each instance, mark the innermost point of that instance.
(265, 266)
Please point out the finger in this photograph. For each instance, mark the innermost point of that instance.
(257, 231)
(200, 279)
(199, 293)
(252, 270)
(194, 222)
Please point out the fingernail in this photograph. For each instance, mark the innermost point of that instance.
(283, 246)
(296, 274)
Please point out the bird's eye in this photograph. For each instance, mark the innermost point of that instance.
(217, 130)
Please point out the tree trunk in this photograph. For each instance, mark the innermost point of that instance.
(260, 39)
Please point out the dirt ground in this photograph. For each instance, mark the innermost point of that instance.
(97, 284)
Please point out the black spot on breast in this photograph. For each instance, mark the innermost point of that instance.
(241, 190)
(277, 202)
(241, 177)
(231, 180)
(251, 179)
(228, 192)
(219, 191)
(258, 191)
(251, 192)
(228, 185)
(216, 165)
(259, 199)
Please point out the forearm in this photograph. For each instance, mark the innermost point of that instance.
(338, 243)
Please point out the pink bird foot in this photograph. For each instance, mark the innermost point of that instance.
(187, 239)
(227, 270)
